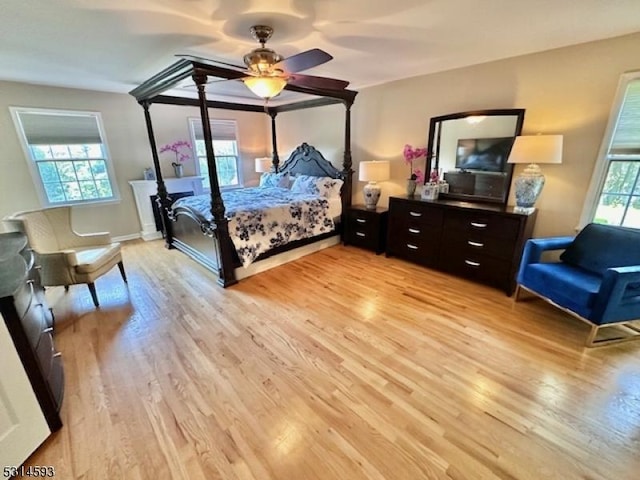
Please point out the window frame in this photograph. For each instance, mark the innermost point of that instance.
(601, 167)
(32, 162)
(192, 133)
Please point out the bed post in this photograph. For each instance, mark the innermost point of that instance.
(226, 269)
(347, 161)
(274, 141)
(163, 200)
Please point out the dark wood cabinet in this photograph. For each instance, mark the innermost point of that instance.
(482, 242)
(30, 324)
(366, 228)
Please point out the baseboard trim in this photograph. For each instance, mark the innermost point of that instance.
(125, 238)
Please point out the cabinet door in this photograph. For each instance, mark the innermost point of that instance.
(22, 425)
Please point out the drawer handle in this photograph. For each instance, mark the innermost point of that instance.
(414, 230)
(472, 264)
(415, 214)
(412, 247)
(48, 330)
(57, 354)
(478, 225)
(38, 267)
(30, 282)
(360, 234)
(361, 220)
(475, 244)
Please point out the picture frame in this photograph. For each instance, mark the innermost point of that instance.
(149, 174)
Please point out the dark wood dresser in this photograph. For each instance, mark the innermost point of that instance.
(366, 228)
(482, 242)
(30, 324)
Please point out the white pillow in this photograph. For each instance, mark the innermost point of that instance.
(324, 186)
(281, 180)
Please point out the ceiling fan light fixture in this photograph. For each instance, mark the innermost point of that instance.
(265, 87)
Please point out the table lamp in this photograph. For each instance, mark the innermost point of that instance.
(533, 149)
(263, 164)
(372, 172)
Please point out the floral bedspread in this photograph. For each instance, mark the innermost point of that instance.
(264, 218)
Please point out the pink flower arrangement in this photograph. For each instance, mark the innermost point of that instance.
(411, 154)
(176, 147)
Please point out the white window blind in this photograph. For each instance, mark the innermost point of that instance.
(67, 155)
(626, 136)
(225, 149)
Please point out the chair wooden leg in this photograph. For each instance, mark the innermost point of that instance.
(516, 295)
(590, 342)
(94, 294)
(122, 272)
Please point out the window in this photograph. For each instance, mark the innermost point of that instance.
(616, 179)
(225, 148)
(67, 155)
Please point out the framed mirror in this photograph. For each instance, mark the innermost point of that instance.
(470, 150)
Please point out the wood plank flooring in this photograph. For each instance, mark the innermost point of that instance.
(341, 365)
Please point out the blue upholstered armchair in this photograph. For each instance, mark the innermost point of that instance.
(596, 280)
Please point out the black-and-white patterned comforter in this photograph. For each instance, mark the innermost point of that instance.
(264, 218)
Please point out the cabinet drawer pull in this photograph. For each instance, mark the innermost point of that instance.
(414, 230)
(475, 244)
(472, 264)
(478, 225)
(48, 330)
(29, 282)
(361, 220)
(57, 354)
(38, 267)
(360, 234)
(415, 214)
(412, 247)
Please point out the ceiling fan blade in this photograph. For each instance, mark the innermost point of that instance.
(210, 61)
(303, 61)
(317, 82)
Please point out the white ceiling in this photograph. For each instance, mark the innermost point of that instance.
(114, 45)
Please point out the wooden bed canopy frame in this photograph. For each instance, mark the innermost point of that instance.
(150, 92)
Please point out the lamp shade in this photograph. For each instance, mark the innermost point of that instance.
(537, 149)
(263, 164)
(265, 86)
(376, 171)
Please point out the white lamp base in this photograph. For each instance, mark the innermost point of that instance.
(371, 195)
(528, 187)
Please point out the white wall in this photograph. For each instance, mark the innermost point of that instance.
(128, 144)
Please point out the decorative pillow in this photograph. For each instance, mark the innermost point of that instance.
(324, 186)
(305, 184)
(598, 247)
(275, 180)
(329, 187)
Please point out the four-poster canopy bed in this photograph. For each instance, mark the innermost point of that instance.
(205, 236)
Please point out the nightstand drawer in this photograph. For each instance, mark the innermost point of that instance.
(366, 228)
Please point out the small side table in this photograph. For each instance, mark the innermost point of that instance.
(366, 228)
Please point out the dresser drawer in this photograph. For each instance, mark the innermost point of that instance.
(22, 300)
(34, 323)
(415, 213)
(56, 380)
(45, 352)
(422, 250)
(484, 268)
(484, 223)
(477, 243)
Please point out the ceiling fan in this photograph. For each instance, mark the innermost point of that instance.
(268, 72)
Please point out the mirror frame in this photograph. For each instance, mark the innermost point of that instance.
(433, 147)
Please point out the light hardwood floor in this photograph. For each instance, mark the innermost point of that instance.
(341, 365)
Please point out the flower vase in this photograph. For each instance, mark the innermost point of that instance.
(178, 169)
(411, 187)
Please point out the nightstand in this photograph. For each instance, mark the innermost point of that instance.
(366, 228)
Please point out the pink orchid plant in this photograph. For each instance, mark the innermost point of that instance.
(411, 154)
(177, 148)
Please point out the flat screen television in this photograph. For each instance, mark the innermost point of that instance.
(483, 154)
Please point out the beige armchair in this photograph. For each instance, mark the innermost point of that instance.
(66, 257)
